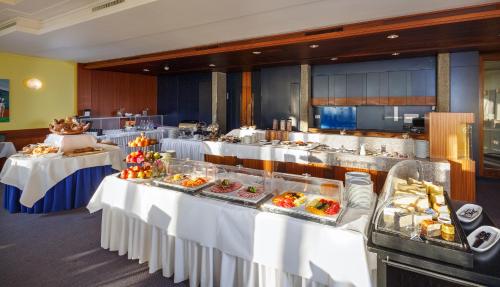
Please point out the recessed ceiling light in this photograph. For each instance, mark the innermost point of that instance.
(211, 65)
(393, 36)
(145, 70)
(256, 52)
(395, 54)
(334, 58)
(166, 68)
(313, 46)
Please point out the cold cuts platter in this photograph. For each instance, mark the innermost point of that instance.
(242, 189)
(320, 208)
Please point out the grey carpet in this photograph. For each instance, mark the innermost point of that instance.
(63, 249)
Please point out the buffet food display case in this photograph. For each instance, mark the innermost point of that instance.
(415, 216)
(306, 197)
(239, 185)
(119, 123)
(187, 176)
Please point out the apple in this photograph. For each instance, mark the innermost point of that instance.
(132, 174)
(124, 174)
(141, 174)
(157, 155)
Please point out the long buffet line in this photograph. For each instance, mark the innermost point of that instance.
(413, 214)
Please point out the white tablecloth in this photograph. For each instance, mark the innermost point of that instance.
(184, 148)
(35, 176)
(7, 149)
(70, 142)
(219, 244)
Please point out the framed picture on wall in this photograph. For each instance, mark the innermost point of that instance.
(4, 100)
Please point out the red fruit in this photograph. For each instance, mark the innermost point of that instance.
(333, 208)
(123, 174)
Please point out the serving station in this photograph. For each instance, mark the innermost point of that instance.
(231, 226)
(61, 173)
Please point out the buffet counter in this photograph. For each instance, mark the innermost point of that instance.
(29, 179)
(216, 243)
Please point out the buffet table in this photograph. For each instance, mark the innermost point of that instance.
(7, 149)
(215, 243)
(184, 148)
(55, 182)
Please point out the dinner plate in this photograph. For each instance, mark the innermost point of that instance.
(495, 236)
(464, 207)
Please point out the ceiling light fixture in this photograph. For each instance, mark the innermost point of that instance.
(334, 59)
(313, 46)
(393, 36)
(395, 54)
(256, 52)
(211, 65)
(145, 70)
(166, 68)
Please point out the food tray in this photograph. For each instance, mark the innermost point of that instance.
(455, 252)
(245, 180)
(182, 188)
(302, 213)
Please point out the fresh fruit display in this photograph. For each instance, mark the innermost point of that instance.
(323, 207)
(39, 149)
(140, 157)
(68, 126)
(289, 199)
(142, 141)
(251, 192)
(140, 172)
(225, 186)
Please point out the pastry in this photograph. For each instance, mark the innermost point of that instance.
(423, 204)
(430, 228)
(440, 208)
(437, 198)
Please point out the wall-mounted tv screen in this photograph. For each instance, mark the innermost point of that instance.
(338, 118)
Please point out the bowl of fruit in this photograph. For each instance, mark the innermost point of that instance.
(137, 173)
(142, 141)
(140, 156)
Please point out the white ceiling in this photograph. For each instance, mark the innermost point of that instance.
(68, 29)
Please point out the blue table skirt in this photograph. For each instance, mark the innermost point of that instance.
(72, 192)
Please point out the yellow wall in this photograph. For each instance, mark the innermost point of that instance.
(36, 108)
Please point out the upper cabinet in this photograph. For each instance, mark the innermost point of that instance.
(392, 82)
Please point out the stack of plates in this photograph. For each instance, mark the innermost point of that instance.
(356, 175)
(360, 193)
(421, 148)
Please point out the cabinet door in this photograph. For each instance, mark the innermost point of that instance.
(384, 88)
(417, 88)
(373, 88)
(356, 89)
(430, 76)
(397, 88)
(320, 90)
(340, 89)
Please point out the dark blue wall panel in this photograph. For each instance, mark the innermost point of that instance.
(185, 97)
(233, 108)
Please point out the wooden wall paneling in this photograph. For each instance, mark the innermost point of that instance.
(105, 92)
(21, 138)
(84, 89)
(247, 105)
